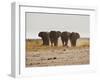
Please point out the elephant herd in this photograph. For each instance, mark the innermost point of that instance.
(53, 36)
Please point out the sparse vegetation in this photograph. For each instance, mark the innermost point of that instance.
(39, 55)
(84, 42)
(36, 44)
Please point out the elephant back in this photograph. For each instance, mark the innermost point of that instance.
(54, 34)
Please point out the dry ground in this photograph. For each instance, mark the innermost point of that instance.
(38, 55)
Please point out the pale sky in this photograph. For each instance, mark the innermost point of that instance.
(36, 22)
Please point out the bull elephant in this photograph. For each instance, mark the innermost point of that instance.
(73, 38)
(54, 35)
(45, 37)
(65, 37)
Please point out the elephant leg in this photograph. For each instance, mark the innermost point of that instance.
(62, 42)
(56, 43)
(43, 41)
(48, 42)
(51, 43)
(66, 43)
(73, 43)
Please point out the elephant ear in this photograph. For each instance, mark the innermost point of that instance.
(72, 34)
(78, 35)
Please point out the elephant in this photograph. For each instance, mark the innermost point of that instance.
(73, 38)
(45, 37)
(65, 37)
(54, 35)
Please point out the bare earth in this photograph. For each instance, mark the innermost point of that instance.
(38, 55)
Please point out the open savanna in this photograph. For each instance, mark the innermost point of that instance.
(38, 55)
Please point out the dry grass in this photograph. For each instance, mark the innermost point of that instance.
(38, 55)
(36, 44)
(84, 42)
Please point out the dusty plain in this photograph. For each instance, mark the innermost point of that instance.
(38, 55)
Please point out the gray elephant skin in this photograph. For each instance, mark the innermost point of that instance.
(73, 38)
(54, 35)
(45, 38)
(65, 37)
